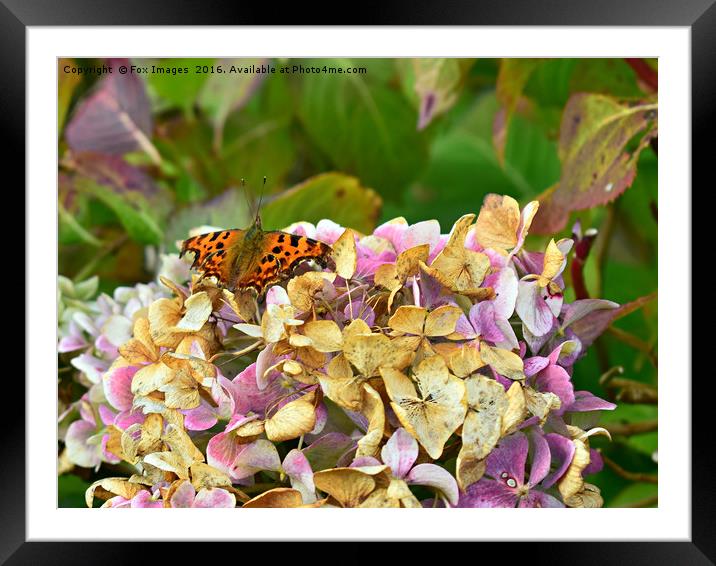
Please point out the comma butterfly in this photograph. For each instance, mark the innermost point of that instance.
(252, 258)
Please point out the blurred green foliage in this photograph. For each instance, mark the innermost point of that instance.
(415, 138)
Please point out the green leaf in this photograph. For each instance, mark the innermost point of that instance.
(635, 493)
(66, 85)
(596, 164)
(228, 210)
(258, 140)
(365, 129)
(71, 231)
(605, 76)
(178, 90)
(132, 211)
(511, 81)
(434, 84)
(188, 190)
(71, 491)
(335, 196)
(226, 92)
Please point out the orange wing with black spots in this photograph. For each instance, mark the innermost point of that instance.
(215, 253)
(278, 254)
(242, 259)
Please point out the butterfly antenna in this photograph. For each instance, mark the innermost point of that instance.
(261, 198)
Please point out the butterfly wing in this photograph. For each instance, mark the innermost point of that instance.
(277, 255)
(215, 253)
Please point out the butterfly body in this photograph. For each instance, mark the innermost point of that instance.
(252, 258)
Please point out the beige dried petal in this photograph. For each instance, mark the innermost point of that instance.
(140, 349)
(250, 431)
(348, 486)
(380, 499)
(169, 462)
(303, 290)
(197, 311)
(456, 267)
(292, 420)
(151, 378)
(344, 254)
(589, 497)
(504, 362)
(276, 497)
(488, 403)
(110, 487)
(464, 360)
(498, 222)
(367, 352)
(181, 444)
(407, 263)
(409, 319)
(292, 367)
(442, 321)
(340, 386)
(572, 481)
(516, 408)
(178, 291)
(386, 275)
(164, 315)
(437, 411)
(554, 261)
(468, 468)
(182, 392)
(375, 413)
(243, 303)
(299, 340)
(324, 334)
(206, 476)
(356, 327)
(541, 404)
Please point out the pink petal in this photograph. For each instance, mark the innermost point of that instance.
(143, 499)
(202, 417)
(400, 452)
(298, 469)
(426, 232)
(541, 458)
(488, 493)
(183, 496)
(255, 457)
(562, 451)
(71, 343)
(437, 477)
(215, 498)
(539, 499)
(117, 385)
(584, 401)
(78, 450)
(509, 458)
(532, 309)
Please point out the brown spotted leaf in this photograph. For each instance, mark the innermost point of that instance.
(596, 167)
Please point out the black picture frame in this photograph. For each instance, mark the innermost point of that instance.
(698, 15)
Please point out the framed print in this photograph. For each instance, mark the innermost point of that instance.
(366, 273)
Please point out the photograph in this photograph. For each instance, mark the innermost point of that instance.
(357, 282)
